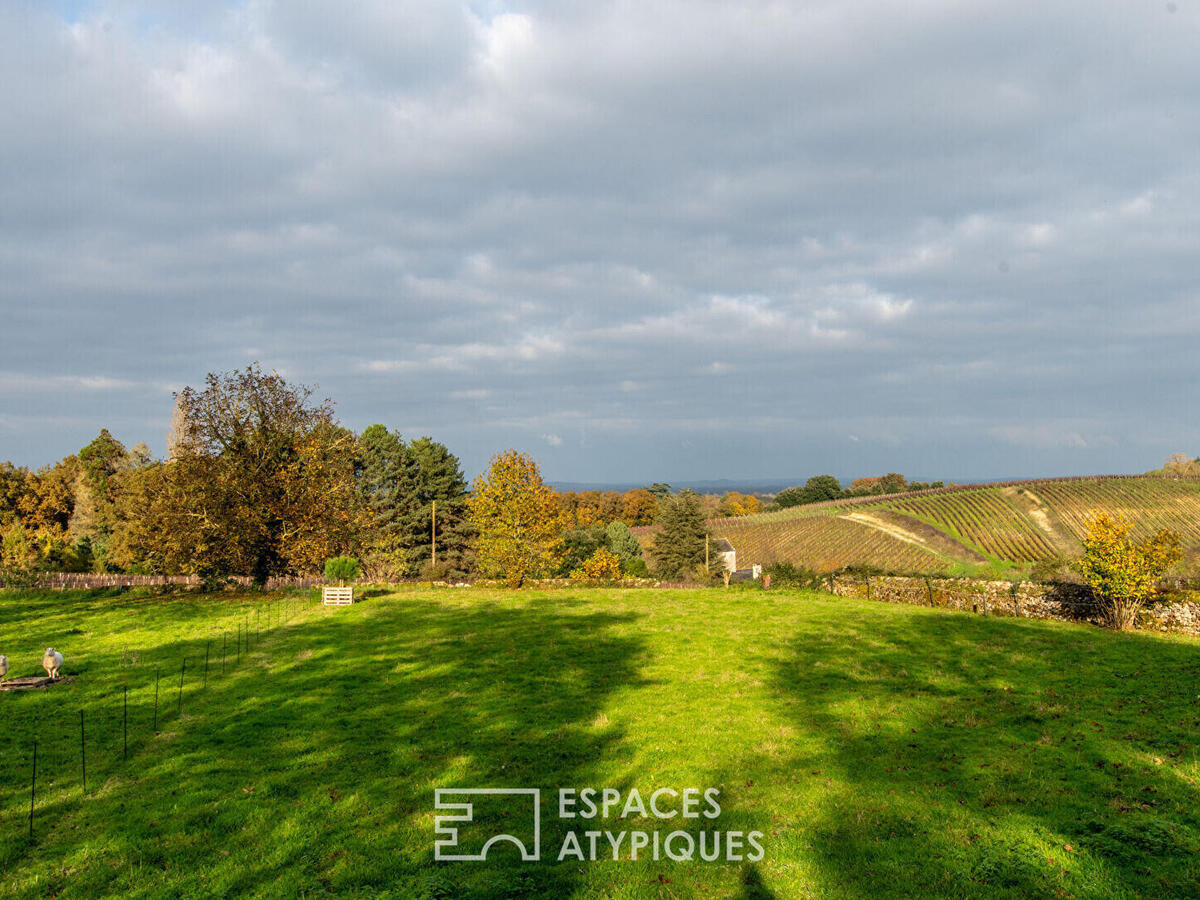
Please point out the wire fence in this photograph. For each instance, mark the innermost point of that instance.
(73, 752)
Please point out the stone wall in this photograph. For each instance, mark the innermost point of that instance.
(1176, 611)
(87, 580)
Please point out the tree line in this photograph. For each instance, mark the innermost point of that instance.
(821, 488)
(261, 479)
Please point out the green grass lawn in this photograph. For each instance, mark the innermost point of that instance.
(883, 751)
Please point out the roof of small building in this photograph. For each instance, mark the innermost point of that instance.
(722, 546)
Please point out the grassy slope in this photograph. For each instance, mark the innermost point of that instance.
(884, 750)
(994, 521)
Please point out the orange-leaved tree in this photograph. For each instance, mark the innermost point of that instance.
(517, 518)
(1124, 574)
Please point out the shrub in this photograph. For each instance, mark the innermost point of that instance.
(579, 544)
(1052, 569)
(791, 574)
(1124, 575)
(636, 568)
(861, 570)
(621, 541)
(214, 582)
(603, 565)
(431, 572)
(341, 568)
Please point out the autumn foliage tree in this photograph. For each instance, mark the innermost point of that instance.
(260, 482)
(1122, 573)
(517, 519)
(736, 504)
(602, 565)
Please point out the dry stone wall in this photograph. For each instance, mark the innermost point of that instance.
(1176, 611)
(88, 580)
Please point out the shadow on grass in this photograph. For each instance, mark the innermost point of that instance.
(312, 767)
(968, 757)
(753, 887)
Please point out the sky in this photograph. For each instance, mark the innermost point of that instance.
(640, 241)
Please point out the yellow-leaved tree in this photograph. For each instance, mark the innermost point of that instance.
(517, 518)
(1124, 574)
(602, 565)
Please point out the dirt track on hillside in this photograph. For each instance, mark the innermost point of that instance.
(1040, 514)
(914, 531)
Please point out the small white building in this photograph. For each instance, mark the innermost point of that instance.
(724, 553)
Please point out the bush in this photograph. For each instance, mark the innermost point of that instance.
(791, 574)
(341, 568)
(431, 572)
(621, 541)
(1123, 574)
(578, 545)
(214, 582)
(603, 565)
(861, 570)
(1053, 569)
(635, 568)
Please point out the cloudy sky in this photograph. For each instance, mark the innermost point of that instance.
(640, 240)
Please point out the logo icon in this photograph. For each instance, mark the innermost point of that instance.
(458, 801)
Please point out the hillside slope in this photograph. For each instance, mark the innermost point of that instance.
(928, 531)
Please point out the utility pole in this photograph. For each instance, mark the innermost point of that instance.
(705, 552)
(433, 531)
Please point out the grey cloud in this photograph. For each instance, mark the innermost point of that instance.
(686, 240)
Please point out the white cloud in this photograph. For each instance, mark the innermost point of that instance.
(1040, 436)
(17, 383)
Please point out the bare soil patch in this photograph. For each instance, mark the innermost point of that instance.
(1032, 505)
(914, 531)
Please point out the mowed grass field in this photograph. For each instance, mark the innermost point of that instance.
(884, 751)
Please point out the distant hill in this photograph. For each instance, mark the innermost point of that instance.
(1016, 523)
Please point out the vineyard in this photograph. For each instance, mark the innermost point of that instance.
(1150, 503)
(984, 520)
(826, 543)
(928, 531)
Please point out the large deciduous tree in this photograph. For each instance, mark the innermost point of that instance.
(260, 482)
(639, 507)
(517, 519)
(14, 485)
(820, 488)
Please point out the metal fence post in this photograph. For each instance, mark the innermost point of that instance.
(82, 754)
(179, 703)
(32, 787)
